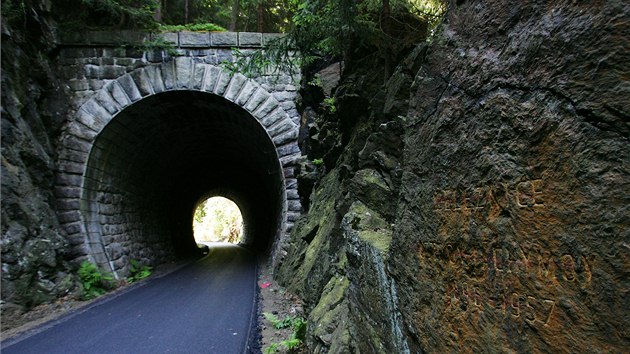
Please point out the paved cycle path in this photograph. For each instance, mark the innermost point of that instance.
(205, 307)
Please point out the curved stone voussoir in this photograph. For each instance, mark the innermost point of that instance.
(155, 77)
(105, 99)
(248, 90)
(118, 94)
(143, 82)
(93, 115)
(281, 127)
(266, 108)
(222, 82)
(168, 75)
(184, 68)
(210, 78)
(285, 137)
(258, 97)
(130, 87)
(82, 131)
(73, 143)
(235, 86)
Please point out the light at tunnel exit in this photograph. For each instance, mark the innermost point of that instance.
(217, 219)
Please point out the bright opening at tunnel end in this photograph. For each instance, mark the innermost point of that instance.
(217, 219)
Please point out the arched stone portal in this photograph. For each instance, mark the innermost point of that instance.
(148, 146)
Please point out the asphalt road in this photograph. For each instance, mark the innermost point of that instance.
(205, 307)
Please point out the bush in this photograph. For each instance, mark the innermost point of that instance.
(94, 282)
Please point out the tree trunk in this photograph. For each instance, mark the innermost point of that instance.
(236, 9)
(158, 13)
(259, 16)
(185, 11)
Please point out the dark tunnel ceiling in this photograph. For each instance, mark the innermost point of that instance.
(174, 149)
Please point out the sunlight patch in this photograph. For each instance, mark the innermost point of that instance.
(218, 219)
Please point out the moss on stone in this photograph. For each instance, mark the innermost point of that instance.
(369, 226)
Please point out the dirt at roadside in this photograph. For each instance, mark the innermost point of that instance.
(274, 299)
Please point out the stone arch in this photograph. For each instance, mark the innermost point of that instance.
(181, 74)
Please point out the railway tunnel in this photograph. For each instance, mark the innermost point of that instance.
(152, 164)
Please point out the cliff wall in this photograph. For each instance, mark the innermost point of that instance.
(479, 202)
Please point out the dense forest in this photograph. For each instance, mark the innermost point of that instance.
(318, 28)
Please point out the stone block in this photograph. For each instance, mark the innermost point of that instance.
(291, 183)
(272, 118)
(224, 56)
(211, 78)
(194, 39)
(68, 180)
(67, 192)
(236, 84)
(82, 131)
(111, 72)
(70, 142)
(247, 91)
(199, 73)
(123, 61)
(285, 137)
(168, 37)
(116, 37)
(293, 216)
(266, 108)
(257, 99)
(288, 149)
(224, 39)
(168, 75)
(69, 203)
(269, 37)
(118, 94)
(249, 39)
(143, 82)
(222, 83)
(183, 71)
(130, 88)
(79, 84)
(73, 228)
(106, 101)
(155, 56)
(294, 205)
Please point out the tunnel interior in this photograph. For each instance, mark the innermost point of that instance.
(158, 159)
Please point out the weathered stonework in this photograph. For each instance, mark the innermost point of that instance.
(105, 80)
(481, 203)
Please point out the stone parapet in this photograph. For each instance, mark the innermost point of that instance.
(183, 39)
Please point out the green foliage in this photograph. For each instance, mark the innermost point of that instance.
(318, 162)
(277, 56)
(316, 81)
(137, 271)
(276, 322)
(195, 27)
(239, 15)
(298, 326)
(158, 43)
(329, 104)
(14, 10)
(93, 281)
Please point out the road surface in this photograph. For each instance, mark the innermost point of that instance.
(205, 307)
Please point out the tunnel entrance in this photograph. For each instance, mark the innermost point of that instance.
(217, 219)
(155, 160)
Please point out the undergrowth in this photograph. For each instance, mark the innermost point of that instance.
(94, 282)
(295, 340)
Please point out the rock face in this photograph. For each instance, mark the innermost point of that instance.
(501, 221)
(34, 248)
